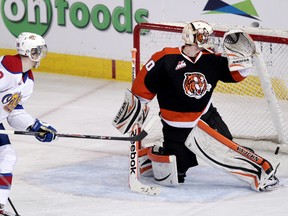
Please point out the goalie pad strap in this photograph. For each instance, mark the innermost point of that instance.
(145, 164)
(160, 158)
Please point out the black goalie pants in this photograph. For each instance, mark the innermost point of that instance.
(174, 139)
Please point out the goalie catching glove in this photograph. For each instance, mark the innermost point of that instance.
(47, 132)
(132, 111)
(239, 49)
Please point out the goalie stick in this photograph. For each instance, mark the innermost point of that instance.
(138, 137)
(134, 183)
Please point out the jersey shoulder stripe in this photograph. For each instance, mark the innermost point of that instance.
(12, 63)
(166, 51)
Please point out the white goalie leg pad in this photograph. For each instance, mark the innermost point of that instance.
(132, 111)
(164, 169)
(224, 154)
(239, 48)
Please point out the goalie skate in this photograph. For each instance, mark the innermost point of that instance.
(271, 182)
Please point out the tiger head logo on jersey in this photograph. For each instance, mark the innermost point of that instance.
(195, 85)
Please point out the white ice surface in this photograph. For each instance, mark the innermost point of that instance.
(90, 177)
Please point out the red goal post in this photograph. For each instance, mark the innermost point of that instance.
(256, 108)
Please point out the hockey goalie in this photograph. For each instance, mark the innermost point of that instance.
(183, 79)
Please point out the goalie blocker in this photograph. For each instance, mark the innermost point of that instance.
(132, 111)
(224, 154)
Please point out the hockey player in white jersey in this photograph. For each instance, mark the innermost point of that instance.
(16, 86)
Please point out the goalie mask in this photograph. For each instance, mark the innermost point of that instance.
(31, 45)
(197, 32)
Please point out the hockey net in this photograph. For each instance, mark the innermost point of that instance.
(254, 109)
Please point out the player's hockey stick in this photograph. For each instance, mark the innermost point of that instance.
(13, 207)
(138, 137)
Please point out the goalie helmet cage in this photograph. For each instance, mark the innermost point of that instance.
(254, 109)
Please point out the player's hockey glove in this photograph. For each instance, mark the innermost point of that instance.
(47, 132)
